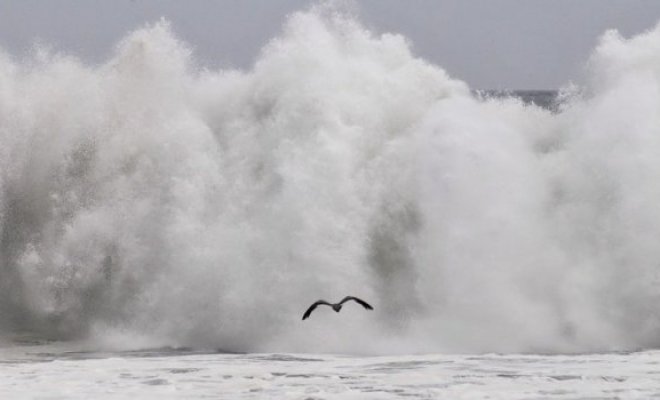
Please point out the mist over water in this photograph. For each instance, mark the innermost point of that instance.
(148, 201)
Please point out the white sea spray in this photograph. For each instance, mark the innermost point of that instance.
(149, 197)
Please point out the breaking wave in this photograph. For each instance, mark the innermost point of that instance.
(148, 198)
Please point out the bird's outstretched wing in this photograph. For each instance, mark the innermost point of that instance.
(360, 301)
(312, 307)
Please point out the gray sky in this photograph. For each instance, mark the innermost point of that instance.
(518, 44)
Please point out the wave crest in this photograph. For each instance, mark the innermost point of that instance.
(208, 208)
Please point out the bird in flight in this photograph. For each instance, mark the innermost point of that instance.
(336, 306)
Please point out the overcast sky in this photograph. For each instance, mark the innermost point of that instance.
(517, 44)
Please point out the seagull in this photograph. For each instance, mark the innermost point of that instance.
(337, 306)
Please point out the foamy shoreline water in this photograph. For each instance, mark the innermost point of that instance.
(45, 372)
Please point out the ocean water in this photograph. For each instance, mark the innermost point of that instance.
(62, 371)
(508, 241)
(548, 99)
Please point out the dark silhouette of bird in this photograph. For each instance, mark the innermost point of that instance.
(336, 306)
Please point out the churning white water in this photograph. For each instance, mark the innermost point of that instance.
(148, 201)
(40, 373)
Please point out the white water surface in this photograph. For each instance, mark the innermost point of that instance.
(59, 371)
